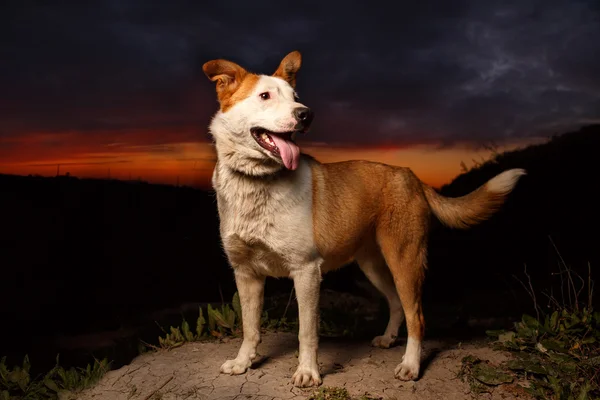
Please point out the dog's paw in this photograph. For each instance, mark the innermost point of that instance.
(306, 376)
(235, 367)
(383, 342)
(407, 371)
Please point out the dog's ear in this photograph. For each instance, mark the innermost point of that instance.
(288, 68)
(228, 75)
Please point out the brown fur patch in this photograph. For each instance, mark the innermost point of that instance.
(352, 199)
(229, 98)
(358, 203)
(234, 83)
(466, 211)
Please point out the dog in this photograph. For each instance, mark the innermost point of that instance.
(284, 214)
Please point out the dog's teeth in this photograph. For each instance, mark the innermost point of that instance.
(267, 139)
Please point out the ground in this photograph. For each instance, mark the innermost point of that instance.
(192, 372)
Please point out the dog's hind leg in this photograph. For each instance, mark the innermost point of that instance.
(406, 260)
(372, 263)
(251, 291)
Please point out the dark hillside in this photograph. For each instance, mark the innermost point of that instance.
(558, 199)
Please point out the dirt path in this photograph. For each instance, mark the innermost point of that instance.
(192, 372)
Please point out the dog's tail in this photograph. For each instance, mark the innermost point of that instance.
(475, 207)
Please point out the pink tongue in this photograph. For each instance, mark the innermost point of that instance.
(288, 150)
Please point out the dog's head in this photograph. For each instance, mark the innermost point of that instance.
(259, 117)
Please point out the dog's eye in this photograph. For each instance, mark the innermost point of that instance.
(265, 96)
(296, 98)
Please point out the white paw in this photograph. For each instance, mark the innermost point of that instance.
(383, 342)
(406, 371)
(306, 376)
(235, 367)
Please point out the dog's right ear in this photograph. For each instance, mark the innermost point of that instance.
(228, 75)
(288, 68)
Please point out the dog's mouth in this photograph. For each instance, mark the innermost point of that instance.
(280, 144)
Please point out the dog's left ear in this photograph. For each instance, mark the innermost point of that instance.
(288, 68)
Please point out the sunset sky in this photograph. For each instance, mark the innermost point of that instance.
(115, 88)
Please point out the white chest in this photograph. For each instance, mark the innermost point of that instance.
(267, 225)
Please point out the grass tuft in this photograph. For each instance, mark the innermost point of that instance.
(16, 383)
(556, 352)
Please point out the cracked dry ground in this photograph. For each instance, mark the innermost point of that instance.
(192, 372)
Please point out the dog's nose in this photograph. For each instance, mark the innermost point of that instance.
(304, 116)
(302, 113)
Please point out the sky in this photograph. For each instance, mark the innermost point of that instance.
(115, 88)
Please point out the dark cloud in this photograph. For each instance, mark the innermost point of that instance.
(407, 72)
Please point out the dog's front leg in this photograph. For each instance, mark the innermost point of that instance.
(251, 291)
(307, 283)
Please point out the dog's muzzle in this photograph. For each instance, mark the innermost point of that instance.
(304, 117)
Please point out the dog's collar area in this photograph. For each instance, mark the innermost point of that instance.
(257, 176)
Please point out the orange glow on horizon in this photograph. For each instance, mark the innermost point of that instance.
(186, 160)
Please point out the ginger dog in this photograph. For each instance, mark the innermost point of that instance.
(284, 214)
